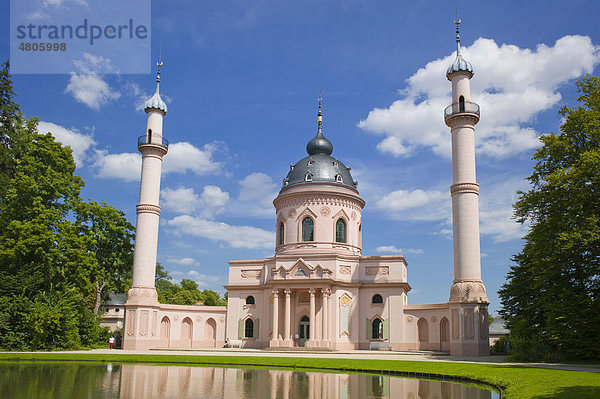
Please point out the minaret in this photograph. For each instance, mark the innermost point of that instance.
(142, 299)
(468, 299)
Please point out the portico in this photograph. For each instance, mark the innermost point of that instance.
(303, 318)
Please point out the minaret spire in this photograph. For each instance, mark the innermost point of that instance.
(156, 102)
(158, 64)
(457, 23)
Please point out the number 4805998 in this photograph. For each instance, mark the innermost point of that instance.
(43, 46)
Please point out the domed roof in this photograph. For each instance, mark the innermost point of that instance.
(459, 64)
(319, 166)
(155, 102)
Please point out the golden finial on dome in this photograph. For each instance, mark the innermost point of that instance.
(319, 115)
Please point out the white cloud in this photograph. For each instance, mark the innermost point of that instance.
(512, 85)
(257, 191)
(184, 261)
(213, 201)
(93, 64)
(126, 166)
(495, 209)
(180, 200)
(495, 215)
(78, 142)
(140, 95)
(394, 250)
(183, 157)
(416, 204)
(499, 224)
(185, 201)
(91, 90)
(234, 236)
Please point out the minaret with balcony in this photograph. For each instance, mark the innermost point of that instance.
(142, 302)
(468, 300)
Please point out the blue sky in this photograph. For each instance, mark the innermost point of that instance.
(241, 80)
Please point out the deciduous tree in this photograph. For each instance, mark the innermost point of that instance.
(551, 299)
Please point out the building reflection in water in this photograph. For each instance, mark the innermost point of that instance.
(147, 381)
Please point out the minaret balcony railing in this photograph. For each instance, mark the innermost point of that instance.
(153, 140)
(461, 108)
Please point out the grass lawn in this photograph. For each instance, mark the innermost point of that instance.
(517, 382)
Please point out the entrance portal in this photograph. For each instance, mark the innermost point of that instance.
(303, 331)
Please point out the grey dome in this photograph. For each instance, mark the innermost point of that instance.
(319, 166)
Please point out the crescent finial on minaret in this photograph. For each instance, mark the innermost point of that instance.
(159, 64)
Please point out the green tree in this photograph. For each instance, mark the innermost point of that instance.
(212, 298)
(109, 240)
(57, 253)
(184, 293)
(11, 126)
(551, 299)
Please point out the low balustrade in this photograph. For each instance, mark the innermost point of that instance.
(153, 140)
(461, 108)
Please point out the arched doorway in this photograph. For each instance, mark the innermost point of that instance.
(165, 332)
(423, 333)
(444, 334)
(210, 332)
(186, 333)
(303, 330)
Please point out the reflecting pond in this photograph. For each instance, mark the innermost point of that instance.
(143, 381)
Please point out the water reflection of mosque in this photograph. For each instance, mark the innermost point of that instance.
(150, 381)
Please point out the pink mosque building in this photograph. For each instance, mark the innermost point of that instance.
(318, 290)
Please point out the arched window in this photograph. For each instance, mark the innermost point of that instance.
(377, 299)
(340, 230)
(250, 300)
(249, 328)
(377, 332)
(308, 177)
(461, 104)
(339, 178)
(281, 233)
(308, 229)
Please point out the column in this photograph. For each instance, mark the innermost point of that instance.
(326, 317)
(275, 336)
(313, 321)
(287, 317)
